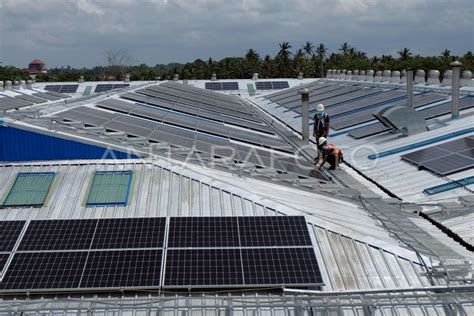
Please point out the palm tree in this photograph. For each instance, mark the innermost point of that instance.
(345, 48)
(446, 55)
(252, 55)
(321, 51)
(404, 54)
(284, 52)
(308, 48)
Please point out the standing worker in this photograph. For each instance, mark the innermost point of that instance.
(321, 127)
(330, 153)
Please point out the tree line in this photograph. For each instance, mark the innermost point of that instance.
(308, 59)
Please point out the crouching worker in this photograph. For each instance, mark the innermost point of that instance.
(330, 154)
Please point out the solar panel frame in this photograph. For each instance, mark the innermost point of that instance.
(282, 231)
(203, 232)
(44, 270)
(123, 269)
(201, 268)
(57, 235)
(281, 266)
(448, 164)
(123, 233)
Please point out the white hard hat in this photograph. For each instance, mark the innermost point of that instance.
(320, 107)
(322, 140)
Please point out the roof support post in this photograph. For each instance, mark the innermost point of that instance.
(409, 77)
(305, 115)
(456, 65)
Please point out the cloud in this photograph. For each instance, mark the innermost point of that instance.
(76, 32)
(89, 7)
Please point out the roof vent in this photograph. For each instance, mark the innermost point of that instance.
(300, 76)
(395, 78)
(433, 77)
(420, 77)
(16, 85)
(214, 77)
(466, 79)
(81, 79)
(447, 78)
(8, 85)
(343, 74)
(361, 75)
(355, 74)
(348, 75)
(329, 73)
(23, 84)
(403, 76)
(402, 119)
(185, 81)
(369, 75)
(28, 84)
(1, 85)
(386, 75)
(378, 76)
(127, 78)
(176, 77)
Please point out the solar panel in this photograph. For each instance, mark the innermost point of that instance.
(3, 261)
(265, 231)
(52, 88)
(44, 270)
(69, 88)
(103, 87)
(119, 269)
(9, 233)
(280, 266)
(129, 233)
(58, 235)
(197, 232)
(216, 86)
(203, 268)
(446, 158)
(263, 85)
(448, 164)
(280, 85)
(30, 98)
(230, 86)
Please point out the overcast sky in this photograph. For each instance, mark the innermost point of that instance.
(76, 32)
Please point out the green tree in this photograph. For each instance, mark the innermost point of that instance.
(404, 54)
(321, 50)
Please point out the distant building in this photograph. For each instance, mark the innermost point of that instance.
(36, 67)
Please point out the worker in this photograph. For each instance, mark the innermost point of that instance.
(321, 127)
(330, 153)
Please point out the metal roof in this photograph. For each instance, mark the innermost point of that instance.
(368, 247)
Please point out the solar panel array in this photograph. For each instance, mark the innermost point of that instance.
(198, 120)
(222, 86)
(128, 253)
(65, 88)
(10, 103)
(429, 113)
(445, 159)
(110, 86)
(271, 85)
(350, 104)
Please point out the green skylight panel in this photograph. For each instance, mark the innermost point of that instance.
(30, 189)
(110, 188)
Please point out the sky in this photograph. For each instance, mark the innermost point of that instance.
(77, 32)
